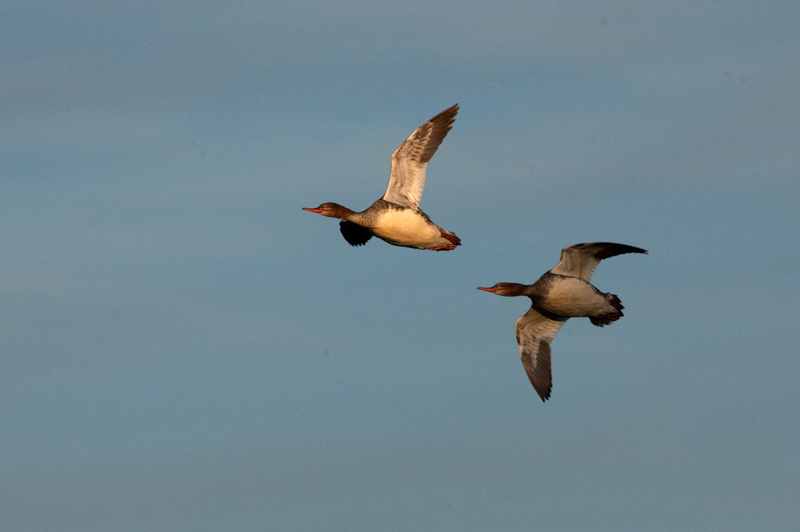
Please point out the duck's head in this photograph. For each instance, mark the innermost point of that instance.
(332, 210)
(505, 289)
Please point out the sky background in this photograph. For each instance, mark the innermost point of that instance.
(184, 349)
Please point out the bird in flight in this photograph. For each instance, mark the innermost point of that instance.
(562, 293)
(396, 218)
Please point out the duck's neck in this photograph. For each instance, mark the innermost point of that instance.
(517, 289)
(361, 218)
(366, 218)
(342, 212)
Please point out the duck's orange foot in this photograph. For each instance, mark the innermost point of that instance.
(605, 319)
(451, 237)
(444, 248)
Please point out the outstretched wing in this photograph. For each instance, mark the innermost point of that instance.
(355, 234)
(407, 178)
(581, 260)
(534, 334)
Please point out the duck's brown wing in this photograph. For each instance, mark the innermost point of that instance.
(355, 234)
(581, 260)
(409, 161)
(534, 334)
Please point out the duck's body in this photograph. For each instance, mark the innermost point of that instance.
(572, 297)
(396, 218)
(395, 224)
(408, 227)
(562, 293)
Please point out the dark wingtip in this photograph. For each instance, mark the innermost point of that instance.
(544, 396)
(448, 115)
(634, 249)
(605, 250)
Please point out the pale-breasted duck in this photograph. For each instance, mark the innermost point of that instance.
(562, 293)
(396, 218)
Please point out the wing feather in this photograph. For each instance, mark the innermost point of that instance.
(534, 334)
(409, 161)
(581, 260)
(355, 234)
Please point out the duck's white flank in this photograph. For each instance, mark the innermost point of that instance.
(406, 228)
(574, 297)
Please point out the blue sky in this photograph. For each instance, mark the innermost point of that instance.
(183, 348)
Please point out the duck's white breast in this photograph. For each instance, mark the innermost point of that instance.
(570, 296)
(406, 228)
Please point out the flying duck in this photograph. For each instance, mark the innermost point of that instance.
(396, 218)
(562, 293)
